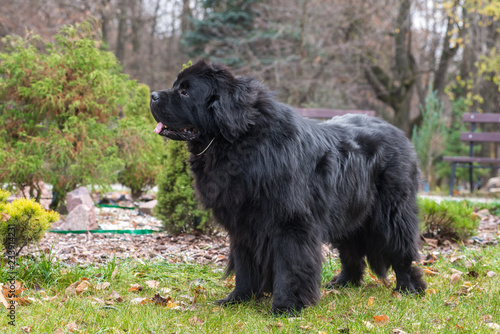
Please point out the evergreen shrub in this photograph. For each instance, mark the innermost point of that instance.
(447, 220)
(177, 205)
(26, 218)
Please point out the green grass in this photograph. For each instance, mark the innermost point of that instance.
(447, 308)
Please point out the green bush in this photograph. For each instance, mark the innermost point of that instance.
(447, 220)
(140, 148)
(59, 105)
(26, 218)
(177, 206)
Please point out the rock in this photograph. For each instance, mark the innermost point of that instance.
(147, 207)
(82, 215)
(80, 218)
(493, 184)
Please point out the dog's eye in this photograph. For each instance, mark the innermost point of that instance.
(183, 92)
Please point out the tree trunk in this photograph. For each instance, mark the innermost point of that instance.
(122, 31)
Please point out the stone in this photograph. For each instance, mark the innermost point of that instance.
(492, 185)
(147, 207)
(79, 219)
(81, 211)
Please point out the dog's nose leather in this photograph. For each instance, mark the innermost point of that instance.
(155, 96)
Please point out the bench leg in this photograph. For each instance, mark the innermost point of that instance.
(452, 177)
(471, 180)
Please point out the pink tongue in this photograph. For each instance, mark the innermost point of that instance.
(158, 128)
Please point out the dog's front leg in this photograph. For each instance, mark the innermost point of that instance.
(247, 273)
(297, 270)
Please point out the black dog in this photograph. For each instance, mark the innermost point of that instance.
(282, 185)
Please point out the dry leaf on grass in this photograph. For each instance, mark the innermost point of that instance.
(135, 287)
(102, 286)
(26, 329)
(59, 331)
(114, 273)
(140, 300)
(430, 272)
(380, 319)
(13, 290)
(371, 301)
(455, 278)
(195, 321)
(152, 284)
(368, 324)
(71, 327)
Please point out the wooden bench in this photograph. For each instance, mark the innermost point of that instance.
(475, 137)
(319, 113)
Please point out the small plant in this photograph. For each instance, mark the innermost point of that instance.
(448, 220)
(22, 222)
(177, 206)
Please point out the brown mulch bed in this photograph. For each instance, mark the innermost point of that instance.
(97, 248)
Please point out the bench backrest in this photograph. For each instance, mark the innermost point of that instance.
(329, 113)
(471, 136)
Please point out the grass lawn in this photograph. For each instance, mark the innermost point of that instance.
(454, 303)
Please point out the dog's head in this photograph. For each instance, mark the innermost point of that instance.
(205, 100)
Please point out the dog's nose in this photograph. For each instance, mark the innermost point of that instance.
(155, 96)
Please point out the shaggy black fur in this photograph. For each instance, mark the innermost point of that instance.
(282, 185)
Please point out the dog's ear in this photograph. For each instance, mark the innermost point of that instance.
(233, 105)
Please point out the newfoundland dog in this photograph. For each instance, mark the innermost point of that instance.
(282, 185)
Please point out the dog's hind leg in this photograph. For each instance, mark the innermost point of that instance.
(352, 259)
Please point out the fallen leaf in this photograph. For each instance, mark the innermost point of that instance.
(368, 324)
(115, 296)
(4, 301)
(13, 289)
(172, 304)
(380, 319)
(165, 290)
(82, 287)
(491, 274)
(487, 318)
(99, 301)
(397, 295)
(135, 287)
(22, 301)
(59, 331)
(140, 300)
(429, 259)
(430, 292)
(102, 286)
(4, 216)
(71, 327)
(494, 326)
(114, 273)
(430, 272)
(26, 329)
(71, 289)
(195, 321)
(371, 301)
(152, 284)
(455, 278)
(160, 300)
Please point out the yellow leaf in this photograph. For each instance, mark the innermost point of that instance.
(371, 301)
(430, 292)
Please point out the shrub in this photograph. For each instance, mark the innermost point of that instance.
(140, 148)
(26, 218)
(448, 220)
(59, 104)
(177, 206)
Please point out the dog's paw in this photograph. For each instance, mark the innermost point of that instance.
(286, 311)
(341, 281)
